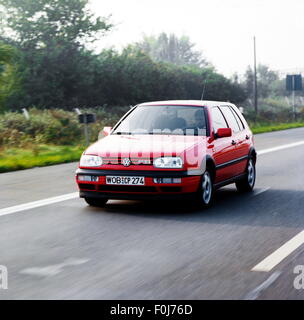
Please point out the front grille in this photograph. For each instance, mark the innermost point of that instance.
(134, 160)
(87, 186)
(127, 188)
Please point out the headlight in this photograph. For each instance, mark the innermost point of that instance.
(90, 161)
(168, 162)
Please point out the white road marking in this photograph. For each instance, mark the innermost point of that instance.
(37, 204)
(259, 191)
(254, 294)
(52, 270)
(280, 254)
(284, 146)
(45, 202)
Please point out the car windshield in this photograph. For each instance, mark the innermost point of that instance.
(164, 120)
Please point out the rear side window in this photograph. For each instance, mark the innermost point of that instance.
(241, 117)
(218, 120)
(230, 117)
(238, 119)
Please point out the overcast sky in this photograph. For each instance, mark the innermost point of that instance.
(222, 29)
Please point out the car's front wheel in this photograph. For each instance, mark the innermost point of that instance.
(205, 193)
(95, 202)
(247, 183)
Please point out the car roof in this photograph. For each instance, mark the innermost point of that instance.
(199, 103)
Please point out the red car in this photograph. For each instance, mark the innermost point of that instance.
(169, 149)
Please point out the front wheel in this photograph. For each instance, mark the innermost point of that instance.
(205, 193)
(247, 184)
(96, 202)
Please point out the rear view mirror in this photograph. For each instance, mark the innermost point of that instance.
(224, 132)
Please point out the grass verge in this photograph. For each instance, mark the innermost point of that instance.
(262, 128)
(12, 159)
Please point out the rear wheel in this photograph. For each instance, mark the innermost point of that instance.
(205, 193)
(247, 184)
(95, 202)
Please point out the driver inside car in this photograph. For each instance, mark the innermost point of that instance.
(199, 120)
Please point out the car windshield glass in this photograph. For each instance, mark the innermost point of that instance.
(164, 120)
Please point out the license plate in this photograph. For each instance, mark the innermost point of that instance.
(128, 181)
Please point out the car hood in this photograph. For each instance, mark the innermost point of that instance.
(146, 145)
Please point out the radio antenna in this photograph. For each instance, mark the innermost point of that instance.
(202, 98)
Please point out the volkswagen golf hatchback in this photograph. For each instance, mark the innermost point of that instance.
(170, 149)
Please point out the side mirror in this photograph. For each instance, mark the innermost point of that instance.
(223, 132)
(106, 131)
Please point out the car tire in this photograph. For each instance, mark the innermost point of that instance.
(204, 196)
(96, 202)
(247, 184)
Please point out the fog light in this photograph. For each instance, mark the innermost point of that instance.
(157, 180)
(87, 178)
(167, 180)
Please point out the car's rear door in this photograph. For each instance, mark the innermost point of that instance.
(239, 139)
(223, 148)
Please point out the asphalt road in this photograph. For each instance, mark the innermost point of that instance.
(131, 250)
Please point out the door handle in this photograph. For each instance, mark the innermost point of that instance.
(247, 137)
(233, 142)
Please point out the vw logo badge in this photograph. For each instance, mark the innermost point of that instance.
(126, 162)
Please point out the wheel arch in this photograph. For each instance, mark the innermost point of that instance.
(210, 164)
(253, 154)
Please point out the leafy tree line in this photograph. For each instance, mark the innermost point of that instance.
(53, 67)
(268, 82)
(8, 79)
(170, 48)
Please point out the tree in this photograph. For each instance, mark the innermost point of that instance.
(40, 23)
(8, 79)
(131, 77)
(58, 71)
(170, 48)
(267, 81)
(51, 36)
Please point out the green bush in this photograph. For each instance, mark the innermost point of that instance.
(274, 110)
(55, 126)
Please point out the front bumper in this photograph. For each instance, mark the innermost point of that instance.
(135, 196)
(151, 190)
